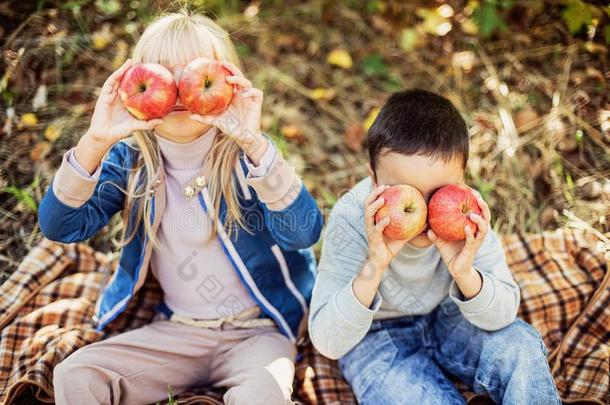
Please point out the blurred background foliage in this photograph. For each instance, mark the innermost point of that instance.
(531, 78)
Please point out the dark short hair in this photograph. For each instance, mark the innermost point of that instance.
(418, 122)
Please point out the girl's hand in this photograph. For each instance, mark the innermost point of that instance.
(111, 121)
(242, 119)
(381, 249)
(459, 255)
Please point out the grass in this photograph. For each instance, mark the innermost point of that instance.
(536, 99)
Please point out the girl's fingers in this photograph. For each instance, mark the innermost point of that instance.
(146, 125)
(239, 81)
(204, 119)
(252, 92)
(232, 68)
(117, 84)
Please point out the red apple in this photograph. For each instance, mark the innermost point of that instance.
(407, 210)
(148, 91)
(448, 211)
(203, 88)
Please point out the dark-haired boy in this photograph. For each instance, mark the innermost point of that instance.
(403, 316)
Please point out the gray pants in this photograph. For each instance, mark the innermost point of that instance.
(136, 367)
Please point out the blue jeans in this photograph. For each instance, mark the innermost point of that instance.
(408, 360)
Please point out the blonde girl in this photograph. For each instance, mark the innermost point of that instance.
(213, 210)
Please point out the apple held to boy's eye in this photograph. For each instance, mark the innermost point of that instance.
(407, 210)
(148, 91)
(203, 88)
(448, 212)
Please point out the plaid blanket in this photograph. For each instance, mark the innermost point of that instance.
(47, 304)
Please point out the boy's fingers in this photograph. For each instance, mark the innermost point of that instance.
(470, 241)
(381, 225)
(482, 205)
(371, 209)
(438, 242)
(481, 225)
(484, 208)
(373, 196)
(375, 205)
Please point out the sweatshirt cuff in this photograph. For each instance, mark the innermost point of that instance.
(265, 163)
(279, 186)
(480, 302)
(352, 310)
(74, 163)
(71, 186)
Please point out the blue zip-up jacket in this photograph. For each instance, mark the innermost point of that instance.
(272, 257)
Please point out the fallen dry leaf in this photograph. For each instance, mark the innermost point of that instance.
(291, 131)
(340, 58)
(120, 54)
(525, 116)
(408, 39)
(354, 135)
(321, 93)
(101, 38)
(40, 151)
(52, 132)
(370, 118)
(28, 120)
(469, 27)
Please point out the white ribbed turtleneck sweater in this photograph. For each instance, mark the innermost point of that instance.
(196, 276)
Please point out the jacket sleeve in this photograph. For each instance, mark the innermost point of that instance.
(291, 213)
(75, 207)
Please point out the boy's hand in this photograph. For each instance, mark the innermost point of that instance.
(381, 249)
(459, 255)
(242, 119)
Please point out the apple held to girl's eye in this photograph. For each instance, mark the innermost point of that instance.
(203, 88)
(148, 91)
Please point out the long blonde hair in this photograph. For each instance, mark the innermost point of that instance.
(174, 39)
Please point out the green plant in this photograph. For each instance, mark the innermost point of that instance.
(487, 16)
(578, 15)
(24, 195)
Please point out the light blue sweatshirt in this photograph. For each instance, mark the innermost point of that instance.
(415, 282)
